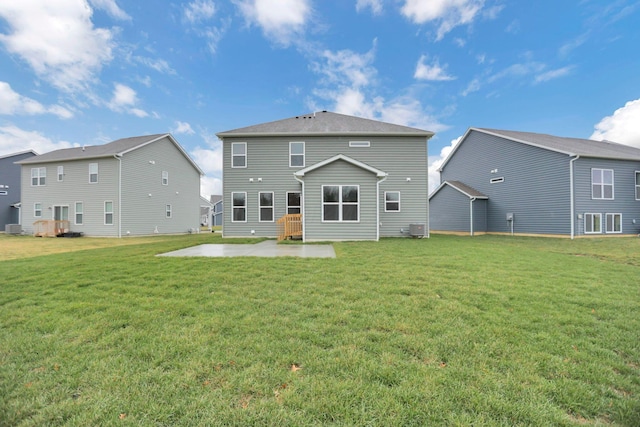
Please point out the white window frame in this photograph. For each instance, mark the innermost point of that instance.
(266, 207)
(610, 220)
(340, 203)
(359, 144)
(77, 212)
(60, 173)
(167, 211)
(37, 210)
(165, 177)
(233, 155)
(108, 212)
(298, 207)
(291, 154)
(243, 207)
(602, 184)
(593, 223)
(93, 170)
(40, 175)
(637, 185)
(386, 208)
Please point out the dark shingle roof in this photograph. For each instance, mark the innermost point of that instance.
(571, 146)
(325, 123)
(464, 188)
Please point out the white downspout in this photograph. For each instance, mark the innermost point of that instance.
(473, 199)
(119, 157)
(378, 206)
(304, 217)
(572, 197)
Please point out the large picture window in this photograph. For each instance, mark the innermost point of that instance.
(108, 213)
(265, 204)
(239, 155)
(592, 223)
(613, 223)
(296, 154)
(293, 202)
(340, 203)
(93, 172)
(239, 203)
(602, 184)
(392, 201)
(38, 176)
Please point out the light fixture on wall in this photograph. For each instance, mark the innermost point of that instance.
(250, 179)
(259, 179)
(408, 179)
(153, 162)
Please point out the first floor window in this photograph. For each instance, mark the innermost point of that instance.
(340, 203)
(165, 178)
(79, 213)
(265, 201)
(239, 204)
(108, 213)
(637, 185)
(168, 211)
(602, 184)
(613, 223)
(37, 210)
(239, 155)
(592, 223)
(392, 201)
(293, 202)
(38, 176)
(93, 172)
(60, 173)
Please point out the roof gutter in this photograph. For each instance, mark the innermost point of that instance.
(572, 196)
(304, 228)
(378, 205)
(119, 158)
(473, 199)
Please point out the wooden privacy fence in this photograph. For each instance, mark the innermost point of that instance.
(50, 228)
(289, 226)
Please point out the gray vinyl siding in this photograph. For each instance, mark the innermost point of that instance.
(10, 179)
(624, 193)
(144, 198)
(480, 215)
(268, 158)
(450, 210)
(535, 189)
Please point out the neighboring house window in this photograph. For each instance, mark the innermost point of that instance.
(359, 144)
(38, 176)
(296, 154)
(168, 211)
(293, 202)
(392, 201)
(79, 213)
(265, 204)
(60, 173)
(108, 213)
(340, 203)
(602, 184)
(592, 223)
(637, 185)
(165, 178)
(37, 210)
(93, 172)
(239, 155)
(613, 223)
(239, 202)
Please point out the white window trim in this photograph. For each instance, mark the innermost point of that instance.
(75, 213)
(40, 173)
(35, 210)
(60, 173)
(168, 213)
(637, 184)
(359, 144)
(240, 207)
(593, 214)
(385, 202)
(108, 212)
(96, 174)
(606, 222)
(304, 152)
(613, 186)
(245, 155)
(272, 207)
(299, 207)
(165, 177)
(339, 203)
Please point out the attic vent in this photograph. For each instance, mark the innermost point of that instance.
(496, 180)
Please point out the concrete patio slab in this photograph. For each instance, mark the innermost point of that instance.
(268, 248)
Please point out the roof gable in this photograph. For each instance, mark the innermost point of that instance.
(470, 192)
(20, 153)
(325, 123)
(377, 172)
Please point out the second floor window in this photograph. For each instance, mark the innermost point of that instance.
(93, 172)
(38, 176)
(602, 184)
(60, 173)
(239, 155)
(165, 178)
(637, 185)
(296, 154)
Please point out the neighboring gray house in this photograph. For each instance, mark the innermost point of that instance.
(133, 186)
(206, 212)
(218, 210)
(350, 178)
(10, 187)
(499, 181)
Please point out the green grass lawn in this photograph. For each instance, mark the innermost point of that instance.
(491, 330)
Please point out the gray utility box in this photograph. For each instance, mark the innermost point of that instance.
(12, 228)
(416, 230)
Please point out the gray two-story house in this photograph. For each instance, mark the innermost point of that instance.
(142, 185)
(10, 187)
(499, 181)
(347, 178)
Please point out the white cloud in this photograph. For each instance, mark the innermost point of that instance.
(199, 10)
(160, 65)
(347, 67)
(209, 158)
(433, 72)
(14, 139)
(473, 86)
(125, 99)
(623, 126)
(280, 21)
(12, 103)
(553, 74)
(112, 8)
(182, 128)
(448, 13)
(57, 39)
(436, 161)
(374, 5)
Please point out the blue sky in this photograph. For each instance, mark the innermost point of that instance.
(85, 72)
